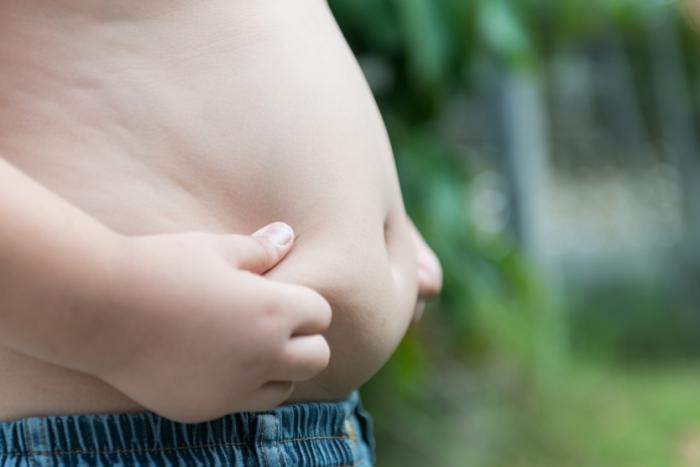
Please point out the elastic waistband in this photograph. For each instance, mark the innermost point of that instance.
(146, 431)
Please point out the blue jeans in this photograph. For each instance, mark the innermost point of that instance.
(310, 434)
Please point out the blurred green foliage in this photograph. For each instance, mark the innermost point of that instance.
(488, 379)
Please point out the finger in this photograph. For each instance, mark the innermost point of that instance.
(304, 357)
(260, 252)
(311, 313)
(271, 395)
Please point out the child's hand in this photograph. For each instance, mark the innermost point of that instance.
(203, 334)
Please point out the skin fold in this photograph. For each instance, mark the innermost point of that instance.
(154, 120)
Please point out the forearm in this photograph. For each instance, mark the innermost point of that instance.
(55, 273)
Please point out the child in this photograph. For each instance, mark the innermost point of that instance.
(136, 330)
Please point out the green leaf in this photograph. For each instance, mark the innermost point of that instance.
(501, 29)
(424, 38)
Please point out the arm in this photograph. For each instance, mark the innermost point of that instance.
(54, 269)
(144, 313)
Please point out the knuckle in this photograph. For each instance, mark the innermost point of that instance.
(273, 309)
(260, 355)
(271, 354)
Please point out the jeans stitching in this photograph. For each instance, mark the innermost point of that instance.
(29, 445)
(261, 444)
(119, 451)
(167, 448)
(44, 439)
(312, 438)
(277, 448)
(126, 451)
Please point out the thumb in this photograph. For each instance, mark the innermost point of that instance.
(262, 251)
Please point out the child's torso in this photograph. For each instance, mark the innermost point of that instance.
(218, 116)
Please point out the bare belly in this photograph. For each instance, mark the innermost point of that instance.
(222, 117)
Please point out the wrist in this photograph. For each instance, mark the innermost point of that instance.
(95, 296)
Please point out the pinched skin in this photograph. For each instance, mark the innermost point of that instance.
(219, 116)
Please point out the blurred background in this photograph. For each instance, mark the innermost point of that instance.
(548, 149)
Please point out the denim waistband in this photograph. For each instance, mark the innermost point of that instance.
(296, 434)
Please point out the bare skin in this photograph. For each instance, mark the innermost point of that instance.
(158, 118)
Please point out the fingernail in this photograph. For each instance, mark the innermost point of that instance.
(278, 233)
